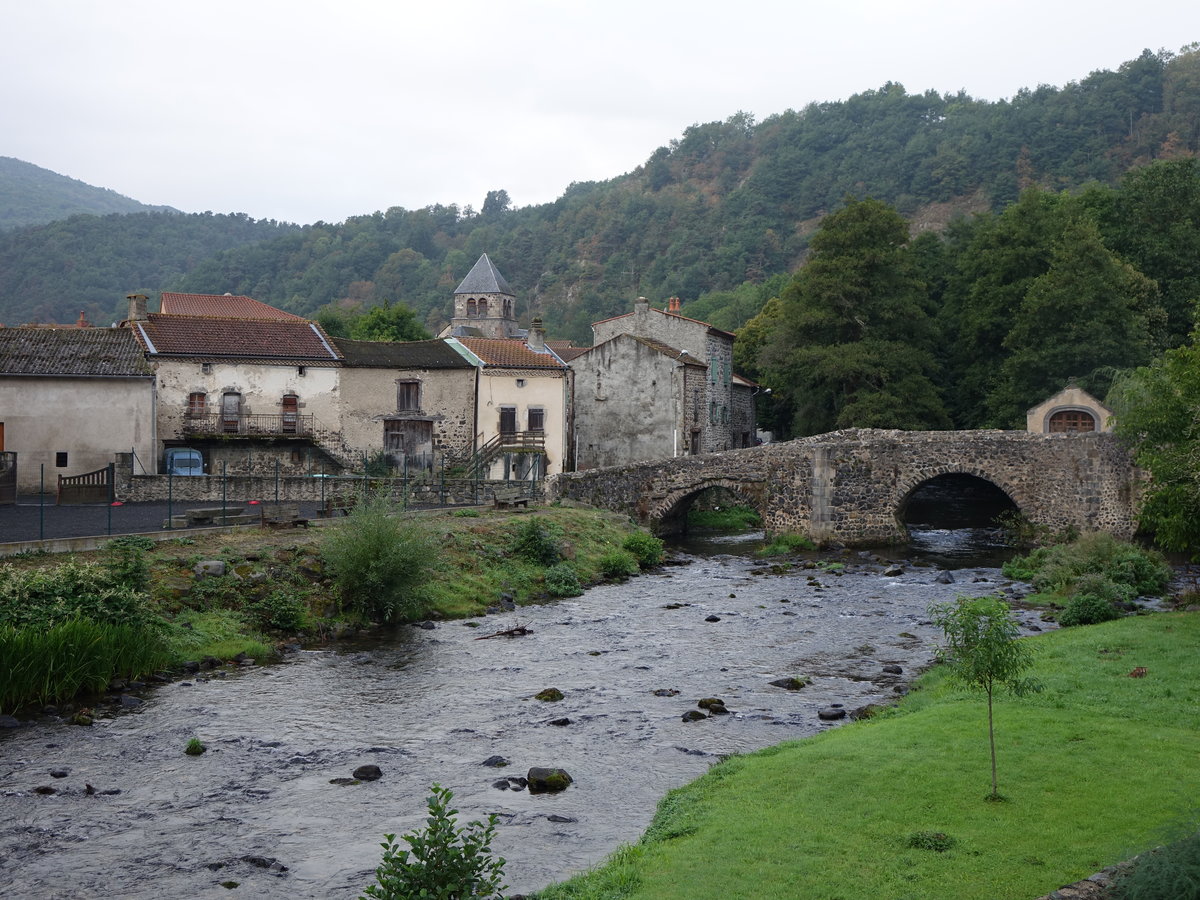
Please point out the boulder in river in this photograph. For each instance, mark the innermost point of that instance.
(831, 713)
(369, 772)
(549, 695)
(495, 762)
(543, 780)
(714, 705)
(693, 715)
(792, 684)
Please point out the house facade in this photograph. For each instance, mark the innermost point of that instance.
(523, 406)
(71, 398)
(246, 392)
(413, 401)
(1071, 409)
(691, 415)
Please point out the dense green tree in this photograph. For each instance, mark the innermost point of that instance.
(1156, 412)
(388, 322)
(1089, 315)
(852, 344)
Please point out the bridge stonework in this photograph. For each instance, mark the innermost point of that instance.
(852, 486)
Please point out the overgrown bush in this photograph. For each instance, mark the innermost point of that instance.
(125, 559)
(537, 541)
(618, 564)
(1087, 609)
(1168, 873)
(1056, 569)
(283, 609)
(783, 544)
(563, 581)
(379, 560)
(443, 862)
(41, 598)
(646, 548)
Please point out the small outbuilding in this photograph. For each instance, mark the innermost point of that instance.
(1071, 409)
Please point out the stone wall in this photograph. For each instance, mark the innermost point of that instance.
(852, 486)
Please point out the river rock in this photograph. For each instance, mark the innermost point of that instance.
(944, 578)
(209, 568)
(549, 695)
(791, 684)
(714, 705)
(128, 701)
(712, 618)
(7, 721)
(893, 571)
(542, 780)
(369, 772)
(893, 669)
(693, 715)
(561, 723)
(560, 820)
(59, 773)
(831, 713)
(495, 762)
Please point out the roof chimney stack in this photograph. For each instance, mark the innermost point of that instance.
(137, 307)
(83, 322)
(673, 305)
(537, 336)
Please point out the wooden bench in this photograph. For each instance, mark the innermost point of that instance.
(512, 495)
(282, 515)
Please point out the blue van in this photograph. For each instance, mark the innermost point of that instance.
(184, 461)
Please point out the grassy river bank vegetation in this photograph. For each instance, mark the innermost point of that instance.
(70, 626)
(1099, 766)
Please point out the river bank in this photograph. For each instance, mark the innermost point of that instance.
(431, 704)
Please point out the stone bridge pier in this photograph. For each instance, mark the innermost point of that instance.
(853, 486)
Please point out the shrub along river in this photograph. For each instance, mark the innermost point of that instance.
(118, 810)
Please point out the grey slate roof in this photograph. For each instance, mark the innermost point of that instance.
(96, 352)
(399, 354)
(484, 278)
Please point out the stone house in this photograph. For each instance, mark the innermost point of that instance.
(690, 415)
(1071, 409)
(73, 397)
(246, 390)
(414, 401)
(523, 406)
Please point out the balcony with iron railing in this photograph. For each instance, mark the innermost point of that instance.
(248, 425)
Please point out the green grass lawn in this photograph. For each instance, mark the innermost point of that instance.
(1096, 767)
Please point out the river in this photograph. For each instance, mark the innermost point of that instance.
(260, 809)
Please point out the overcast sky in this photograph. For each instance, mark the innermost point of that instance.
(301, 111)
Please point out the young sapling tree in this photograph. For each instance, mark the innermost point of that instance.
(982, 652)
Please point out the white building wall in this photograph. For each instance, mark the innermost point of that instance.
(90, 419)
(539, 389)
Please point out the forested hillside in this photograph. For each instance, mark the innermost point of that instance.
(716, 217)
(31, 195)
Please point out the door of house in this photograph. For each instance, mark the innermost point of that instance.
(291, 413)
(231, 412)
(508, 420)
(409, 442)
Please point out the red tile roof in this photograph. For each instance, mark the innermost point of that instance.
(510, 354)
(224, 306)
(176, 335)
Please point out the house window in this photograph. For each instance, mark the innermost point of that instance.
(1072, 420)
(197, 403)
(471, 308)
(483, 308)
(537, 420)
(408, 396)
(60, 459)
(301, 370)
(206, 368)
(694, 447)
(290, 409)
(231, 412)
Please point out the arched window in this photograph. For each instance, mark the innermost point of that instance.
(483, 308)
(471, 308)
(1072, 420)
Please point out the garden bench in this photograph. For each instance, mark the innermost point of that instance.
(513, 495)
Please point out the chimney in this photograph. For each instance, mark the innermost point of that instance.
(137, 307)
(537, 336)
(673, 305)
(83, 322)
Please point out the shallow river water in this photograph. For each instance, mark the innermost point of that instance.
(430, 706)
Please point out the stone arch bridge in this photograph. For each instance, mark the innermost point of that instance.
(853, 486)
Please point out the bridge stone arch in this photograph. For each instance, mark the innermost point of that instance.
(666, 511)
(909, 483)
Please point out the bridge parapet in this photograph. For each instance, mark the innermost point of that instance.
(852, 485)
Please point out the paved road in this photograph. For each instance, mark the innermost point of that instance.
(30, 520)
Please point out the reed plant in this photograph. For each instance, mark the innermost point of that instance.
(50, 665)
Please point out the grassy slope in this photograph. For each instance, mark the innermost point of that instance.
(1095, 767)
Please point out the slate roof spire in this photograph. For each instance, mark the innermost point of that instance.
(484, 278)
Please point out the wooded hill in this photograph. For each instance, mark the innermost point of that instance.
(709, 218)
(31, 195)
